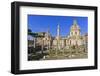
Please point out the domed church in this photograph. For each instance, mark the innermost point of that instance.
(75, 37)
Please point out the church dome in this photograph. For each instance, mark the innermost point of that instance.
(75, 26)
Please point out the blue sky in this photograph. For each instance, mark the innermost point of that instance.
(41, 23)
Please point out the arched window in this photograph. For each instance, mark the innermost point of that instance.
(75, 33)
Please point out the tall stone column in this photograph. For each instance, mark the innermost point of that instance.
(58, 37)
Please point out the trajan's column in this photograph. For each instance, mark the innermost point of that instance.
(58, 37)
